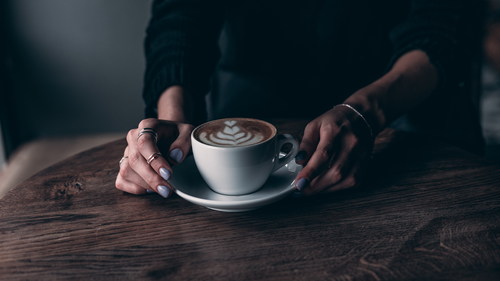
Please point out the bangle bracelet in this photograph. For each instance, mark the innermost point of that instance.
(360, 115)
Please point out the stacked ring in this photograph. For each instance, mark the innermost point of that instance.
(123, 158)
(150, 131)
(153, 157)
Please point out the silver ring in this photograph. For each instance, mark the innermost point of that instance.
(121, 160)
(153, 157)
(150, 131)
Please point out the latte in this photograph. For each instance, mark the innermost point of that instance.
(233, 132)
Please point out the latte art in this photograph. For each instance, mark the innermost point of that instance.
(231, 135)
(234, 132)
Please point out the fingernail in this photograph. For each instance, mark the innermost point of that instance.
(301, 184)
(165, 174)
(301, 156)
(176, 154)
(149, 191)
(163, 191)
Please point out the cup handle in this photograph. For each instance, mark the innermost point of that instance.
(284, 139)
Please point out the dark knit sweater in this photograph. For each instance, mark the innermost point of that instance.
(289, 58)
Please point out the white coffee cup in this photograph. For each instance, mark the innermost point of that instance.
(236, 156)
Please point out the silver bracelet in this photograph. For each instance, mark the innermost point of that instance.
(360, 115)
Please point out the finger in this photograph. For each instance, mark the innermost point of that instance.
(128, 186)
(128, 174)
(346, 172)
(182, 145)
(320, 159)
(332, 176)
(308, 144)
(348, 154)
(128, 180)
(343, 166)
(324, 183)
(353, 150)
(352, 180)
(146, 146)
(148, 174)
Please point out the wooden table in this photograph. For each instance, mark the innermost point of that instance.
(428, 212)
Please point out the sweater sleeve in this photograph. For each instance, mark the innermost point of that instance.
(181, 48)
(443, 29)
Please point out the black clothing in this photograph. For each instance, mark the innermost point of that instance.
(289, 58)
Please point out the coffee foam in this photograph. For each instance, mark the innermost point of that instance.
(234, 132)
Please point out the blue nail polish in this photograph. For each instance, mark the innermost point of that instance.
(176, 154)
(301, 156)
(163, 191)
(165, 174)
(301, 184)
(149, 191)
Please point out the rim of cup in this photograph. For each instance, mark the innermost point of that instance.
(274, 134)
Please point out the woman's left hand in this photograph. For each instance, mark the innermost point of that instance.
(336, 146)
(335, 150)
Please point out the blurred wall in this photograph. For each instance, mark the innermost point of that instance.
(76, 66)
(490, 99)
(2, 150)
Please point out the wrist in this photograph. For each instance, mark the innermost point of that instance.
(359, 115)
(174, 105)
(411, 80)
(367, 104)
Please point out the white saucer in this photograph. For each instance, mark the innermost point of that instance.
(189, 185)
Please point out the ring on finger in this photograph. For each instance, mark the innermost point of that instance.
(123, 159)
(153, 157)
(150, 131)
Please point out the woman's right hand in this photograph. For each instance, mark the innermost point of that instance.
(136, 175)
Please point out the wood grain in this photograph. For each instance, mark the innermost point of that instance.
(427, 211)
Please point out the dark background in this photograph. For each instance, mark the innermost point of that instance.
(75, 67)
(70, 67)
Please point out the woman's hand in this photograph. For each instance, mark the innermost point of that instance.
(336, 146)
(172, 140)
(155, 145)
(335, 149)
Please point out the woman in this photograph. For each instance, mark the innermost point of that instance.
(352, 68)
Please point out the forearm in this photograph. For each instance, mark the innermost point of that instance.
(174, 105)
(181, 48)
(411, 80)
